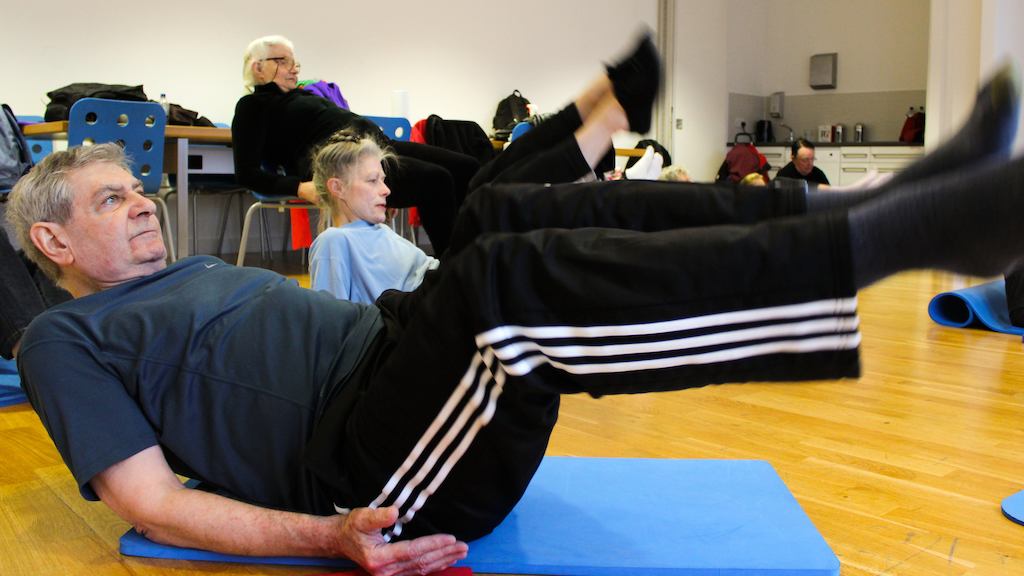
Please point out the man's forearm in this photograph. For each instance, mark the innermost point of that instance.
(143, 490)
(198, 519)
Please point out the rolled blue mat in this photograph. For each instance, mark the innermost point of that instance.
(982, 306)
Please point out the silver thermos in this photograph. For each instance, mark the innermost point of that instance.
(858, 133)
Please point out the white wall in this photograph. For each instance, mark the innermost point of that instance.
(748, 54)
(882, 44)
(455, 58)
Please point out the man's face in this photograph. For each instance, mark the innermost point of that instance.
(804, 160)
(279, 67)
(113, 234)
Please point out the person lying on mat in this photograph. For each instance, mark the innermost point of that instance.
(278, 124)
(376, 432)
(356, 257)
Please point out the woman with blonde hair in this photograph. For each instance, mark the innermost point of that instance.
(357, 257)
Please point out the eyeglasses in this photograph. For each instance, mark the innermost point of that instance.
(285, 61)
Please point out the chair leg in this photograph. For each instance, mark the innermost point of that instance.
(287, 232)
(224, 223)
(166, 217)
(195, 218)
(266, 251)
(245, 232)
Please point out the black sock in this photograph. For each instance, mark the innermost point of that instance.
(968, 222)
(635, 81)
(987, 135)
(824, 200)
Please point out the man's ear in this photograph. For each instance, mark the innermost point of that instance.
(51, 240)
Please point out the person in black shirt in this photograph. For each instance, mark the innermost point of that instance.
(801, 165)
(279, 125)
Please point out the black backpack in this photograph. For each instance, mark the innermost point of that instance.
(61, 99)
(15, 159)
(511, 111)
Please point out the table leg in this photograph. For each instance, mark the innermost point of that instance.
(183, 219)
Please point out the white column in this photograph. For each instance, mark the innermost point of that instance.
(953, 71)
(700, 92)
(1001, 40)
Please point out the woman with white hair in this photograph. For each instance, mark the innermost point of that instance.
(277, 126)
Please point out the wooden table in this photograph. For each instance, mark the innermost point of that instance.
(176, 160)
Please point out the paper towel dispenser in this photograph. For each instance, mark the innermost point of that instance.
(823, 70)
(775, 102)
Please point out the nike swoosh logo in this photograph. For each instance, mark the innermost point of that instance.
(208, 266)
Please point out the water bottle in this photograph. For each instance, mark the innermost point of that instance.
(164, 103)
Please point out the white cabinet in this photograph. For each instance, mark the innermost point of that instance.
(894, 158)
(828, 161)
(777, 157)
(857, 161)
(845, 165)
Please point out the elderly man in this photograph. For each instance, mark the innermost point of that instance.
(801, 165)
(339, 429)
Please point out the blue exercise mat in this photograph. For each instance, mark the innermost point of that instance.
(982, 306)
(1013, 507)
(10, 384)
(595, 516)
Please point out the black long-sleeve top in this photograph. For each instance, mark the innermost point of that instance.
(277, 128)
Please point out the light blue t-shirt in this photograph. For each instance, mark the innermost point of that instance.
(360, 260)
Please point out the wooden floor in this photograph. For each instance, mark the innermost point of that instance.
(902, 471)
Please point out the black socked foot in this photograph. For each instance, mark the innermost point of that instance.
(635, 81)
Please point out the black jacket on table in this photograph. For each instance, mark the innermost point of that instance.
(816, 176)
(277, 128)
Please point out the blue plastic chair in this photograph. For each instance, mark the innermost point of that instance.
(139, 128)
(38, 148)
(519, 130)
(267, 202)
(395, 128)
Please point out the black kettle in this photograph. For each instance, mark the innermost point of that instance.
(764, 132)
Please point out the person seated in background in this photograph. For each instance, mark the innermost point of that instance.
(753, 179)
(674, 173)
(801, 165)
(279, 125)
(26, 292)
(356, 257)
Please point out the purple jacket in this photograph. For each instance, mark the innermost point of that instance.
(328, 90)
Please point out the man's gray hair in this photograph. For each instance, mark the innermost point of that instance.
(258, 50)
(45, 195)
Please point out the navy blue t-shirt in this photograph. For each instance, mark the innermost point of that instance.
(225, 368)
